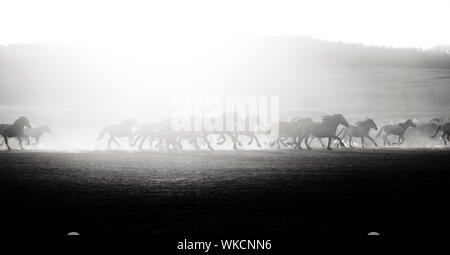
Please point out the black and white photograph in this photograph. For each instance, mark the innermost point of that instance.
(224, 127)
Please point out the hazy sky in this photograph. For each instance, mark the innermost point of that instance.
(382, 22)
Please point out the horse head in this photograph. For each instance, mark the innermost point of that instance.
(341, 120)
(371, 124)
(23, 122)
(410, 123)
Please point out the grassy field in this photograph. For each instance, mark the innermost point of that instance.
(251, 193)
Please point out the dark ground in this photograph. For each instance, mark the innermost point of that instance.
(250, 194)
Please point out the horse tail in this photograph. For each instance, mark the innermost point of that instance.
(379, 133)
(102, 134)
(437, 131)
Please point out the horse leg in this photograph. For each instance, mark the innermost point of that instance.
(257, 141)
(398, 140)
(295, 142)
(272, 143)
(329, 143)
(237, 140)
(443, 138)
(160, 144)
(337, 144)
(141, 144)
(386, 140)
(116, 142)
(306, 142)
(207, 143)
(222, 139)
(312, 139)
(251, 140)
(20, 143)
(150, 142)
(5, 138)
(339, 140)
(234, 140)
(284, 144)
(350, 142)
(278, 143)
(299, 143)
(370, 138)
(109, 142)
(136, 140)
(174, 143)
(401, 140)
(292, 142)
(362, 142)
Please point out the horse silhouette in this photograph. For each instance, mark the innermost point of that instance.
(144, 132)
(293, 130)
(231, 123)
(395, 129)
(325, 129)
(35, 133)
(193, 137)
(251, 124)
(167, 137)
(283, 130)
(125, 129)
(361, 129)
(14, 130)
(445, 132)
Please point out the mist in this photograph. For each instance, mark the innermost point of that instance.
(78, 89)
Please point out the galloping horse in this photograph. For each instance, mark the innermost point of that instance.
(445, 132)
(293, 129)
(35, 133)
(14, 130)
(167, 137)
(326, 128)
(361, 129)
(398, 130)
(125, 129)
(146, 131)
(193, 138)
(251, 125)
(230, 124)
(283, 130)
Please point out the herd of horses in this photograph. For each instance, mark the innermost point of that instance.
(22, 130)
(287, 134)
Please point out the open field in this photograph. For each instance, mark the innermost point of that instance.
(251, 193)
